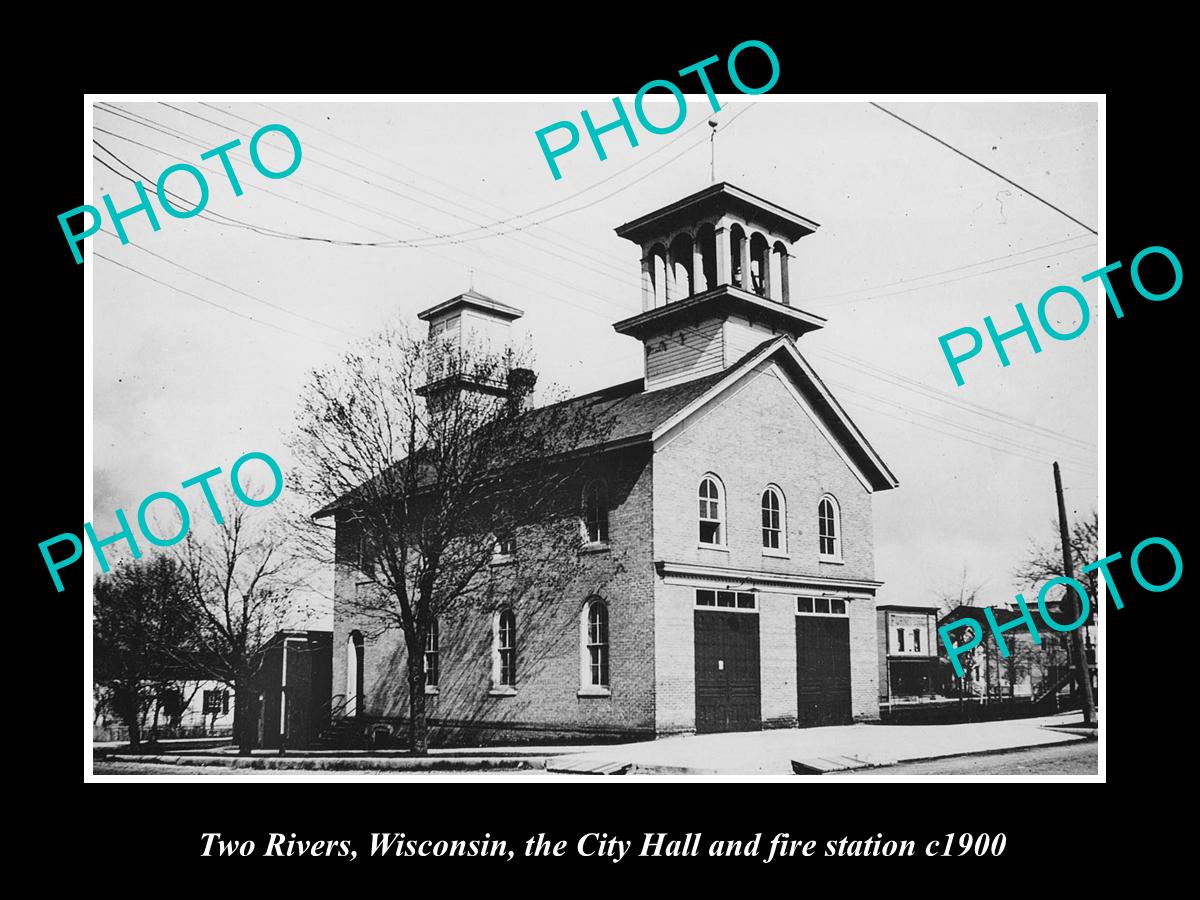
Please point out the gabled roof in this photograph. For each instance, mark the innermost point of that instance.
(714, 200)
(630, 414)
(475, 300)
(816, 399)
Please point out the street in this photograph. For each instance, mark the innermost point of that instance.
(1080, 758)
(1077, 758)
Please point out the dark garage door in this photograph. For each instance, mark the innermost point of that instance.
(727, 672)
(823, 670)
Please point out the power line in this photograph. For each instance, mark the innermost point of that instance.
(888, 377)
(904, 382)
(970, 265)
(921, 287)
(230, 287)
(1039, 461)
(958, 426)
(641, 159)
(264, 229)
(1004, 178)
(592, 203)
(227, 309)
(268, 233)
(301, 183)
(594, 253)
(622, 277)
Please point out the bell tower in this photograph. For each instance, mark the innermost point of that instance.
(716, 282)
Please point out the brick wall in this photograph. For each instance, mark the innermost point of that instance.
(864, 659)
(758, 435)
(674, 659)
(546, 704)
(777, 650)
(881, 645)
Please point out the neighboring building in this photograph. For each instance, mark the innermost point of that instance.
(1031, 671)
(908, 655)
(290, 707)
(729, 581)
(187, 707)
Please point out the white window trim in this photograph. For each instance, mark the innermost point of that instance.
(781, 552)
(586, 688)
(815, 598)
(696, 600)
(838, 536)
(501, 559)
(431, 689)
(590, 546)
(722, 513)
(498, 689)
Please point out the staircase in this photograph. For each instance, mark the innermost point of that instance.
(1046, 694)
(343, 733)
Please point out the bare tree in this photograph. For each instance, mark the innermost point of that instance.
(950, 596)
(138, 610)
(1044, 560)
(426, 457)
(240, 591)
(964, 592)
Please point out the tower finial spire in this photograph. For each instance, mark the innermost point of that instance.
(470, 279)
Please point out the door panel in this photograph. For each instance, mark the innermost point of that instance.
(823, 670)
(728, 694)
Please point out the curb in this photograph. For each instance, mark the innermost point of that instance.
(343, 764)
(917, 759)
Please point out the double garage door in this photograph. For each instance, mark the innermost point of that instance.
(728, 671)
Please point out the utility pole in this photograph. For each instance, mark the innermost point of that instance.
(1083, 674)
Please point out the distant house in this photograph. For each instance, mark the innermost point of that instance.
(187, 707)
(290, 703)
(1030, 671)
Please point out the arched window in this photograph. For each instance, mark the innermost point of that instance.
(779, 273)
(595, 644)
(658, 274)
(431, 655)
(774, 532)
(506, 648)
(739, 252)
(760, 269)
(681, 266)
(366, 553)
(354, 673)
(595, 512)
(829, 527)
(712, 512)
(706, 279)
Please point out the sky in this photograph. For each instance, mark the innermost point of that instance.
(195, 368)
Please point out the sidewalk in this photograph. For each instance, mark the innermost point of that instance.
(772, 752)
(741, 753)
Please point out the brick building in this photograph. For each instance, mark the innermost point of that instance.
(908, 653)
(728, 580)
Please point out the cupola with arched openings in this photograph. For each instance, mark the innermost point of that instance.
(716, 281)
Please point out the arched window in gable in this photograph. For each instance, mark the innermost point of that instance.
(829, 528)
(774, 520)
(712, 512)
